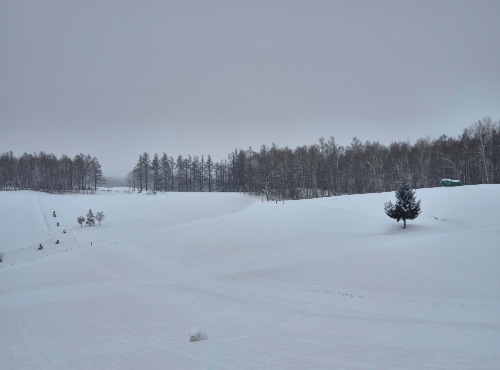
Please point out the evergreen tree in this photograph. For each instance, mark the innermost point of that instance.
(406, 207)
(90, 218)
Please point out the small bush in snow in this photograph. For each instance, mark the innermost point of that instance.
(196, 334)
(99, 216)
(80, 220)
(90, 218)
(1, 257)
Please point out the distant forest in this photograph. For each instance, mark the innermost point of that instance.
(43, 171)
(322, 169)
(326, 168)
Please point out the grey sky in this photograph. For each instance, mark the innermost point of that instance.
(116, 78)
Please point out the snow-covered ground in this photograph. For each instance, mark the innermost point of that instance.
(327, 283)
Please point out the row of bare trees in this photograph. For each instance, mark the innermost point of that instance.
(166, 174)
(326, 168)
(45, 171)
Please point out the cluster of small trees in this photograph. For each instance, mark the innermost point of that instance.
(326, 168)
(91, 218)
(45, 171)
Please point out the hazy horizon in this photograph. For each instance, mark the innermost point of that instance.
(120, 177)
(114, 79)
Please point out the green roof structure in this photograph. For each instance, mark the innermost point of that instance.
(449, 183)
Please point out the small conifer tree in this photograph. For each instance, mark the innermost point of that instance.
(90, 218)
(406, 207)
(80, 220)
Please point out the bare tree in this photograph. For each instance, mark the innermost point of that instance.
(164, 170)
(129, 180)
(99, 216)
(96, 173)
(138, 173)
(209, 169)
(80, 220)
(146, 168)
(155, 170)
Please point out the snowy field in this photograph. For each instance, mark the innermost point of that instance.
(327, 283)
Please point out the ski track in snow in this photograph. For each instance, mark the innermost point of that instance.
(322, 283)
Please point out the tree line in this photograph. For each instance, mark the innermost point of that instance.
(44, 171)
(327, 168)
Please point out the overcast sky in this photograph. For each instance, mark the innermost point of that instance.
(116, 78)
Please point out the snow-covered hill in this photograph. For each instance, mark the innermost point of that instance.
(313, 284)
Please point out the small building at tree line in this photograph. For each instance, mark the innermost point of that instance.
(449, 183)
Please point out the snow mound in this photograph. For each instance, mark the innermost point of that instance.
(196, 334)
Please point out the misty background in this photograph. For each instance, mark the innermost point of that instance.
(115, 78)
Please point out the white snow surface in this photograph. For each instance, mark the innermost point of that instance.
(196, 335)
(329, 283)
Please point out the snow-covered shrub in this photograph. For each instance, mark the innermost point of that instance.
(1, 257)
(99, 216)
(80, 220)
(90, 218)
(196, 334)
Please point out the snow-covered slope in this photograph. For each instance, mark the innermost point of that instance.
(324, 283)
